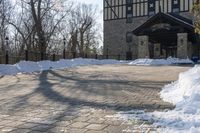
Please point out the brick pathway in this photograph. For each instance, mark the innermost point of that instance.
(77, 100)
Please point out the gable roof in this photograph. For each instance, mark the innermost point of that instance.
(175, 18)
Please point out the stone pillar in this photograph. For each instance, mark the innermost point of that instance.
(157, 50)
(182, 45)
(143, 47)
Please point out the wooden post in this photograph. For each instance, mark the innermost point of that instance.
(26, 55)
(54, 56)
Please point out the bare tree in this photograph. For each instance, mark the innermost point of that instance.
(83, 31)
(5, 8)
(41, 25)
(38, 23)
(46, 18)
(24, 27)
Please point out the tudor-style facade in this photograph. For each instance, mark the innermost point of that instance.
(149, 29)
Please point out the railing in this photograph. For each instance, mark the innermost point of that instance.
(8, 58)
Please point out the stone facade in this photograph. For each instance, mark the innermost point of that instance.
(143, 47)
(115, 39)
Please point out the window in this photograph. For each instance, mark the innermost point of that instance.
(129, 37)
(175, 2)
(151, 7)
(176, 5)
(129, 1)
(129, 13)
(129, 9)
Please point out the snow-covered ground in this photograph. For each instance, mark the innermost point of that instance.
(29, 67)
(167, 61)
(185, 94)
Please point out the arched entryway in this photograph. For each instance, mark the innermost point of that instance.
(165, 35)
(163, 43)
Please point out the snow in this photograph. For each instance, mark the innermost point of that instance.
(187, 84)
(29, 66)
(8, 69)
(185, 94)
(167, 61)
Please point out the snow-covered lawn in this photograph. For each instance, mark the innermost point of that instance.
(185, 94)
(29, 67)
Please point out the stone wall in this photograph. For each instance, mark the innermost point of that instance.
(115, 36)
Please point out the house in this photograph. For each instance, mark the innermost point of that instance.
(149, 29)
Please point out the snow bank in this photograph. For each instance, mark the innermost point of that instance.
(167, 61)
(185, 94)
(46, 65)
(29, 66)
(8, 69)
(187, 85)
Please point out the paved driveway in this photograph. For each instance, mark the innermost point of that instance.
(79, 99)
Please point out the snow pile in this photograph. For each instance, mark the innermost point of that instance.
(46, 65)
(187, 86)
(8, 69)
(150, 62)
(167, 61)
(185, 94)
(29, 66)
(179, 61)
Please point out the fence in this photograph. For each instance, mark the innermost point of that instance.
(9, 58)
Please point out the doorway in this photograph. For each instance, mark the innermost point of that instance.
(129, 55)
(171, 51)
